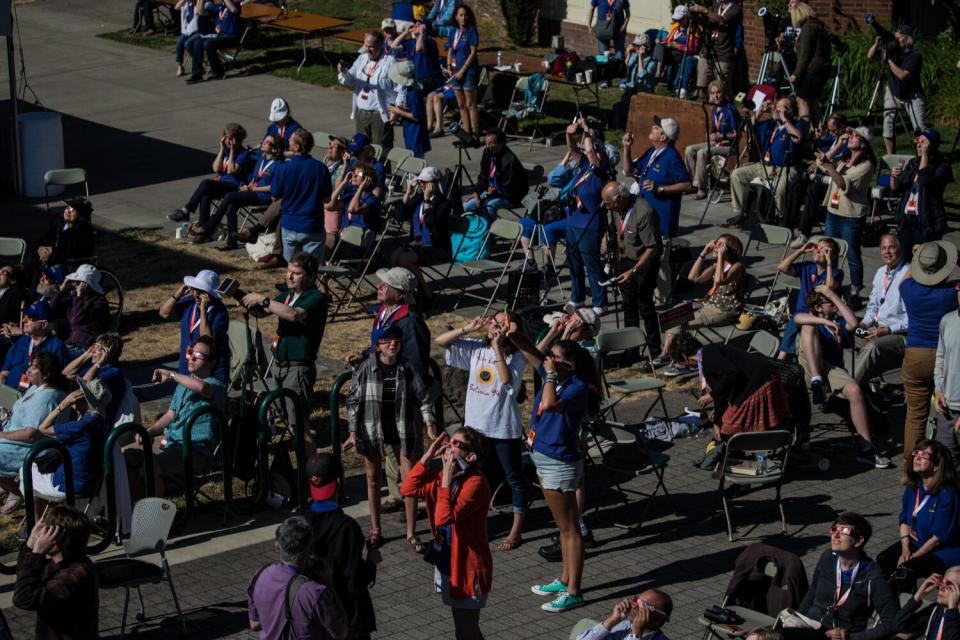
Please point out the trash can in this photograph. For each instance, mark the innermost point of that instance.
(41, 149)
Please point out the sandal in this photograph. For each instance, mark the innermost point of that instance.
(10, 504)
(374, 539)
(508, 545)
(416, 545)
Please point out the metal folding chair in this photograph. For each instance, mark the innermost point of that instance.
(64, 178)
(519, 111)
(508, 231)
(774, 236)
(349, 254)
(405, 169)
(13, 248)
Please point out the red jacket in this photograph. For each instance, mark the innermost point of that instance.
(471, 564)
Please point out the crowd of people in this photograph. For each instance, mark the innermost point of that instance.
(617, 214)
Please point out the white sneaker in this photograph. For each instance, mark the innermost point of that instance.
(599, 311)
(683, 94)
(798, 242)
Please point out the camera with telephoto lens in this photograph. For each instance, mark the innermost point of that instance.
(887, 39)
(774, 25)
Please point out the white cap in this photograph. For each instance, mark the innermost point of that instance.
(388, 23)
(669, 127)
(279, 110)
(863, 132)
(89, 274)
(680, 12)
(429, 174)
(641, 40)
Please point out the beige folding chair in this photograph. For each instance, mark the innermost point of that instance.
(64, 178)
(11, 248)
(505, 230)
(764, 343)
(406, 169)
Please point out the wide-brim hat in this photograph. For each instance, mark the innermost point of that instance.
(933, 262)
(206, 281)
(96, 394)
(89, 274)
(401, 74)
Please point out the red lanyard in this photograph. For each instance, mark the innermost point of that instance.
(263, 167)
(776, 131)
(624, 221)
(456, 38)
(586, 174)
(194, 318)
(383, 317)
(371, 71)
(223, 16)
(280, 131)
(290, 302)
(718, 119)
(493, 174)
(839, 600)
(917, 503)
(421, 216)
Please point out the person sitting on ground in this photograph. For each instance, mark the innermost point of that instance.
(678, 51)
(282, 125)
(290, 599)
(100, 362)
(823, 269)
(502, 181)
(197, 388)
(944, 618)
(491, 405)
(641, 616)
(73, 238)
(83, 436)
(428, 211)
(441, 17)
(885, 320)
(226, 34)
(457, 495)
(337, 538)
(743, 388)
(824, 333)
(410, 109)
(929, 540)
(946, 385)
(201, 312)
(725, 298)
(36, 338)
(89, 311)
(255, 193)
(382, 406)
(231, 164)
(722, 133)
(20, 429)
(921, 216)
(864, 590)
(56, 578)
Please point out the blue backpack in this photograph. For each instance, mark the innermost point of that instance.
(469, 245)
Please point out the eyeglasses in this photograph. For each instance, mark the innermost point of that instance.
(922, 454)
(643, 604)
(388, 341)
(845, 529)
(199, 355)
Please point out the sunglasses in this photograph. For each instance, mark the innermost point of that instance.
(199, 355)
(389, 341)
(923, 455)
(845, 529)
(643, 604)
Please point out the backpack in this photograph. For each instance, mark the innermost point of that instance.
(469, 245)
(296, 581)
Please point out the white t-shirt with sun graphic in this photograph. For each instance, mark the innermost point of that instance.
(491, 407)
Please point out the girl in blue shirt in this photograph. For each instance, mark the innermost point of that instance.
(929, 540)
(464, 69)
(355, 200)
(570, 392)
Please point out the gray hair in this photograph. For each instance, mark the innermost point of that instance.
(892, 236)
(293, 539)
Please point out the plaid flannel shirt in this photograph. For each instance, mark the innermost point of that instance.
(64, 596)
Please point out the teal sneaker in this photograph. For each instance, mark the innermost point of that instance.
(554, 588)
(563, 602)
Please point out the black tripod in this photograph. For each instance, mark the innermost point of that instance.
(460, 172)
(747, 126)
(880, 88)
(539, 237)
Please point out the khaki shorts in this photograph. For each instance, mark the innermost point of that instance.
(836, 377)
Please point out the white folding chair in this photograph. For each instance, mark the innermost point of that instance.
(64, 178)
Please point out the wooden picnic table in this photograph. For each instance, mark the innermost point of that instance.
(530, 65)
(258, 11)
(305, 24)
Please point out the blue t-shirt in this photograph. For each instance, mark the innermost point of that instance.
(724, 119)
(832, 346)
(556, 432)
(283, 133)
(18, 356)
(304, 184)
(243, 160)
(468, 37)
(925, 307)
(84, 440)
(404, 51)
(615, 10)
(584, 212)
(262, 174)
(663, 168)
(810, 279)
(416, 137)
(219, 320)
(426, 64)
(184, 403)
(226, 22)
(402, 10)
(367, 220)
(937, 515)
(776, 145)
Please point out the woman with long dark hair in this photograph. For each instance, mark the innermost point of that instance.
(570, 393)
(464, 69)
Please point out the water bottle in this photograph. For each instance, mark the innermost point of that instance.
(761, 464)
(499, 58)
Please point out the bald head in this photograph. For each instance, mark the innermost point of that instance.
(615, 196)
(662, 603)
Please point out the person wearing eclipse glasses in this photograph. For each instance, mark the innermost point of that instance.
(641, 616)
(943, 621)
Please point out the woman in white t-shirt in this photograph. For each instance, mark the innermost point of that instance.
(491, 407)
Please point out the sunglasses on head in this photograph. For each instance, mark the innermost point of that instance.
(922, 454)
(845, 529)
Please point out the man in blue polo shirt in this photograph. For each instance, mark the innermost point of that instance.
(586, 219)
(661, 179)
(304, 185)
(36, 338)
(779, 138)
(226, 33)
(282, 125)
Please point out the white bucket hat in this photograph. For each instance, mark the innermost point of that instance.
(206, 281)
(88, 274)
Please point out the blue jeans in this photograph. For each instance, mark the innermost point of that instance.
(508, 453)
(681, 78)
(788, 343)
(490, 206)
(296, 241)
(210, 45)
(554, 231)
(181, 46)
(583, 254)
(850, 230)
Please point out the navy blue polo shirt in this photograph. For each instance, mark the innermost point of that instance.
(426, 64)
(615, 10)
(377, 168)
(556, 432)
(283, 133)
(84, 440)
(724, 119)
(461, 46)
(778, 147)
(218, 319)
(405, 50)
(244, 159)
(663, 168)
(262, 174)
(926, 306)
(226, 22)
(832, 346)
(304, 184)
(585, 210)
(366, 220)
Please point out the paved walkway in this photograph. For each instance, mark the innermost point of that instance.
(146, 138)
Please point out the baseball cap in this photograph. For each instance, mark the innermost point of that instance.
(669, 126)
(358, 143)
(279, 110)
(429, 174)
(39, 310)
(388, 23)
(590, 319)
(680, 12)
(905, 30)
(930, 134)
(399, 278)
(57, 273)
(327, 470)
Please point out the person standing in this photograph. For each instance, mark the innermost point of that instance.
(660, 178)
(921, 215)
(813, 68)
(613, 16)
(927, 297)
(946, 384)
(303, 184)
(441, 16)
(904, 88)
(372, 90)
(585, 223)
(410, 109)
(464, 69)
(717, 58)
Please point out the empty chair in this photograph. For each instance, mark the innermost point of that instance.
(64, 178)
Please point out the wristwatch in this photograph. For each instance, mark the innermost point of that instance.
(265, 303)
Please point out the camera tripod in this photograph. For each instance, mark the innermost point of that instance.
(540, 241)
(766, 62)
(880, 88)
(744, 126)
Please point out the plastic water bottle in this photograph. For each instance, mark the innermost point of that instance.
(499, 58)
(761, 464)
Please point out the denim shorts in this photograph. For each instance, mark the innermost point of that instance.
(557, 475)
(470, 81)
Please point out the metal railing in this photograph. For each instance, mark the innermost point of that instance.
(299, 425)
